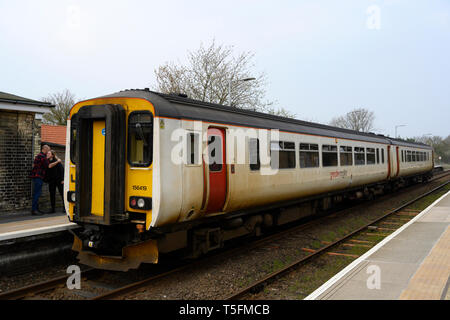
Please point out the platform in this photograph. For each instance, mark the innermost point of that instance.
(410, 264)
(21, 226)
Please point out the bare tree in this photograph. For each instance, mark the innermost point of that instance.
(358, 119)
(63, 102)
(282, 112)
(208, 75)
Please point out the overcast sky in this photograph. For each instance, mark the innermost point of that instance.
(321, 60)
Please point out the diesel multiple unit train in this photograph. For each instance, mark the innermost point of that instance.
(149, 173)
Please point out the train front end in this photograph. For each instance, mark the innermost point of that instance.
(108, 182)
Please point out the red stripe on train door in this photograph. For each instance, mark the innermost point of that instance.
(217, 170)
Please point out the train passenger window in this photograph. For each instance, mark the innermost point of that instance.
(140, 139)
(360, 156)
(215, 153)
(329, 155)
(403, 157)
(253, 149)
(346, 155)
(408, 156)
(382, 155)
(192, 148)
(282, 155)
(378, 155)
(309, 155)
(413, 157)
(370, 156)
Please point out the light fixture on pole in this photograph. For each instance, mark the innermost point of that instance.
(229, 87)
(398, 126)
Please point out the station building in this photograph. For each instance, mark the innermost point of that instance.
(20, 141)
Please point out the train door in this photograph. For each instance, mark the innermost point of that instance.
(389, 161)
(98, 167)
(100, 151)
(217, 170)
(397, 160)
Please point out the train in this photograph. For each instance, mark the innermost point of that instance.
(148, 173)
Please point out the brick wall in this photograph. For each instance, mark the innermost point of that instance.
(15, 160)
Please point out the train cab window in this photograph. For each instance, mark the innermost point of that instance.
(309, 155)
(370, 156)
(215, 153)
(192, 151)
(378, 156)
(140, 139)
(346, 155)
(360, 158)
(253, 149)
(329, 155)
(73, 138)
(282, 155)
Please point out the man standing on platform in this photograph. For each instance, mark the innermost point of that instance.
(40, 166)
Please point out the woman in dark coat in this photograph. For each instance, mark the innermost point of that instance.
(55, 178)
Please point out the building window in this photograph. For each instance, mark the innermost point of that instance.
(329, 155)
(192, 148)
(253, 149)
(309, 155)
(346, 155)
(140, 139)
(360, 156)
(282, 155)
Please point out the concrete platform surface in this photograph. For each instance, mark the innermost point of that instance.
(412, 263)
(27, 225)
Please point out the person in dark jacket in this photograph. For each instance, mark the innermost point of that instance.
(38, 172)
(55, 178)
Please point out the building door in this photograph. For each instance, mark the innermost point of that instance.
(217, 170)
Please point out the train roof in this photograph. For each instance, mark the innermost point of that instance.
(181, 107)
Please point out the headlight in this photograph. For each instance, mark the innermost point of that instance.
(141, 203)
(71, 196)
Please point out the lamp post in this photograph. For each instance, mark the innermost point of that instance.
(229, 87)
(431, 140)
(398, 126)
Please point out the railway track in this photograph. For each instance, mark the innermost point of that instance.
(40, 290)
(380, 224)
